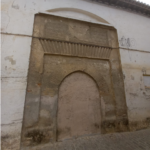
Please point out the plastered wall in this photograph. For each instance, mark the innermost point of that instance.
(135, 65)
(17, 26)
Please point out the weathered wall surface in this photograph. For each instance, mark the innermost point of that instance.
(15, 60)
(18, 17)
(135, 65)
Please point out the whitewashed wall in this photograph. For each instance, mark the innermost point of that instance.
(18, 18)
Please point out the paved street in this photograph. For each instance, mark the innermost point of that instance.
(138, 140)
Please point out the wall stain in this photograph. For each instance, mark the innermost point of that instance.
(15, 6)
(132, 77)
(133, 94)
(10, 58)
(127, 42)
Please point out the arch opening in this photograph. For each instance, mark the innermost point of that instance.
(78, 107)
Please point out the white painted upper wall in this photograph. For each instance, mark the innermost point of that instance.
(18, 18)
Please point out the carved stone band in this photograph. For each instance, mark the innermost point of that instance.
(75, 49)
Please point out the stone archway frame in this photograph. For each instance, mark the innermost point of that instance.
(67, 65)
(61, 46)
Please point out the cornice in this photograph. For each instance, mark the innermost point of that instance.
(130, 5)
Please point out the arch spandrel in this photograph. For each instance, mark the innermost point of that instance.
(64, 70)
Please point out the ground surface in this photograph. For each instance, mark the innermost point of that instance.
(138, 140)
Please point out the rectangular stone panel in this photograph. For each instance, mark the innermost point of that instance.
(70, 30)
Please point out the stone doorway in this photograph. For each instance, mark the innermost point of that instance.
(78, 107)
(60, 47)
